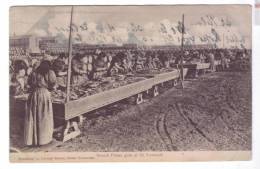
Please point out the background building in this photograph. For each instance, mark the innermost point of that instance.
(26, 43)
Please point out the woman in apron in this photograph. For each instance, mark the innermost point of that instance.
(38, 128)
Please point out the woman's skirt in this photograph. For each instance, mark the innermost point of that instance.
(38, 127)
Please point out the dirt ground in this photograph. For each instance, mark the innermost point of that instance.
(212, 112)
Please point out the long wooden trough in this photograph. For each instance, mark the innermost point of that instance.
(195, 68)
(75, 108)
(64, 112)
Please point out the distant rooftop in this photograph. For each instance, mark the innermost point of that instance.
(20, 36)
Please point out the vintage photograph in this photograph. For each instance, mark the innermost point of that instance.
(148, 80)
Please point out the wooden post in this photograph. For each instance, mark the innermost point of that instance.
(223, 40)
(182, 51)
(69, 59)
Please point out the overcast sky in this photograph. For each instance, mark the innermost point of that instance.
(134, 23)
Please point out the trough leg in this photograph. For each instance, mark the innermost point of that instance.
(139, 98)
(196, 73)
(155, 91)
(80, 119)
(203, 71)
(71, 130)
(175, 82)
(146, 95)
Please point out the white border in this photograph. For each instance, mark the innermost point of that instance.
(4, 75)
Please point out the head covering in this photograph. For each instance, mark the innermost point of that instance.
(44, 67)
(58, 65)
(19, 65)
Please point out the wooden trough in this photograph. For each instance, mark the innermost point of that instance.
(194, 69)
(68, 114)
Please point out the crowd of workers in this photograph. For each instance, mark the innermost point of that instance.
(39, 76)
(111, 63)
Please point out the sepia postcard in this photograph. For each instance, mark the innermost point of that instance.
(112, 83)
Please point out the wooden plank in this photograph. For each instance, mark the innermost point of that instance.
(203, 66)
(69, 59)
(163, 77)
(197, 66)
(67, 134)
(190, 66)
(182, 51)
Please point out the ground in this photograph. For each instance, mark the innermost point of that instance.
(212, 112)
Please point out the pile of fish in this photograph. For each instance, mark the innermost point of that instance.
(103, 84)
(94, 87)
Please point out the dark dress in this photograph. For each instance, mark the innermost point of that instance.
(39, 125)
(79, 75)
(117, 60)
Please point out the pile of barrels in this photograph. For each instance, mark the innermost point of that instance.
(88, 63)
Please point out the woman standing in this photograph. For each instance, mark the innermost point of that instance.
(118, 65)
(212, 62)
(38, 127)
(79, 73)
(58, 66)
(99, 67)
(19, 79)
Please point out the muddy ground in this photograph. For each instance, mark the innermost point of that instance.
(212, 112)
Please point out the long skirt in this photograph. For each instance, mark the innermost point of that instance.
(39, 125)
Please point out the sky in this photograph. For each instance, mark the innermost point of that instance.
(225, 25)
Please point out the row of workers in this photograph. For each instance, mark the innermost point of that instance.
(38, 127)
